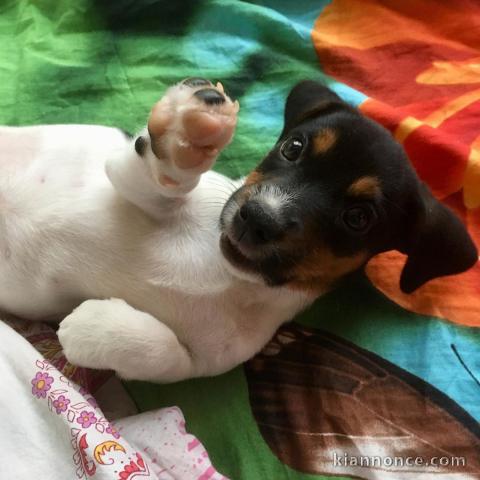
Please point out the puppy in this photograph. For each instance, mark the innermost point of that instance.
(174, 271)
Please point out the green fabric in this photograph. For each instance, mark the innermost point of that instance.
(64, 61)
(108, 62)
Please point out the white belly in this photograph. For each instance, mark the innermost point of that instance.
(65, 235)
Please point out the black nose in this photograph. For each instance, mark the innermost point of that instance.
(256, 224)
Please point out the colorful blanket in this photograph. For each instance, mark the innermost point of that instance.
(369, 383)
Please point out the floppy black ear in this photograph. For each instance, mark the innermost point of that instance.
(307, 99)
(438, 244)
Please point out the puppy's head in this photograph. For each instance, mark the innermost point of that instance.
(335, 190)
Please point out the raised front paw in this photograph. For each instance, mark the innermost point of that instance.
(187, 129)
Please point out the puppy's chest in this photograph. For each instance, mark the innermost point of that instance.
(186, 260)
(182, 250)
(229, 327)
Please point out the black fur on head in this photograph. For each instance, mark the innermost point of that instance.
(335, 190)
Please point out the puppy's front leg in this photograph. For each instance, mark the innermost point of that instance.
(186, 131)
(110, 334)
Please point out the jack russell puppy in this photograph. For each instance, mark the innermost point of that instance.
(161, 269)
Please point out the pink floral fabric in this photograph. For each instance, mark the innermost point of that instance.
(60, 404)
(44, 339)
(163, 449)
(98, 450)
(82, 443)
(41, 384)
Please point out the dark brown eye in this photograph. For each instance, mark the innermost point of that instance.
(292, 148)
(358, 218)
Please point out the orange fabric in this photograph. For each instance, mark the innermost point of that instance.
(419, 62)
(455, 298)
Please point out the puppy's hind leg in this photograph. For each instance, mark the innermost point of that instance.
(110, 334)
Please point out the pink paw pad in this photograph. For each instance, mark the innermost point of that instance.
(192, 123)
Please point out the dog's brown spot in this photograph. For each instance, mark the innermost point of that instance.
(319, 271)
(365, 187)
(324, 140)
(254, 178)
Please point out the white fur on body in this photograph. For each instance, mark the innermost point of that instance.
(139, 264)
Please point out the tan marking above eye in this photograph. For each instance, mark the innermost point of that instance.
(365, 187)
(324, 140)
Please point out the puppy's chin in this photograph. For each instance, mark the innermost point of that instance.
(238, 263)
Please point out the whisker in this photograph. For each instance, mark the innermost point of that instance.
(224, 187)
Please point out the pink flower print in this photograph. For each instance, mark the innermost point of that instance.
(112, 431)
(61, 404)
(92, 402)
(86, 419)
(41, 384)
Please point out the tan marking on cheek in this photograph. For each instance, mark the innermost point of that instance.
(365, 187)
(253, 178)
(324, 140)
(320, 270)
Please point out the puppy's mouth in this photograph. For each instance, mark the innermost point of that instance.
(232, 250)
(252, 233)
(236, 243)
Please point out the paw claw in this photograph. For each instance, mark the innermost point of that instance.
(196, 82)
